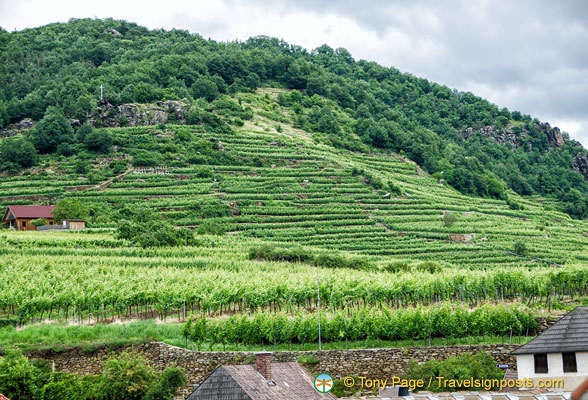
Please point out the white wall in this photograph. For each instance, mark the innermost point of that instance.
(526, 369)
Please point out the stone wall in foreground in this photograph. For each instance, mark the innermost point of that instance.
(371, 363)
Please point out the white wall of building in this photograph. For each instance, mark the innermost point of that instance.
(526, 369)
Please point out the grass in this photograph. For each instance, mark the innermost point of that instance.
(62, 336)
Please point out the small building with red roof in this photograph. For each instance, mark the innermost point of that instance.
(20, 217)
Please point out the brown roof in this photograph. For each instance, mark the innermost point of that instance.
(568, 334)
(244, 382)
(2, 397)
(32, 211)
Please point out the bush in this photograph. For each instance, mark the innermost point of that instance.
(428, 266)
(39, 222)
(144, 158)
(99, 141)
(449, 218)
(307, 359)
(337, 261)
(479, 367)
(397, 267)
(70, 209)
(16, 154)
(520, 248)
(147, 229)
(212, 228)
(271, 253)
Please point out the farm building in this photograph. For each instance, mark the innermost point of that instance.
(561, 352)
(262, 381)
(20, 217)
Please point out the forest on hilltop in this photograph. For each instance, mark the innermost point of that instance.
(53, 73)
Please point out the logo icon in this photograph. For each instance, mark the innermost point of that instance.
(323, 383)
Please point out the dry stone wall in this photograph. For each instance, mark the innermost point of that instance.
(374, 363)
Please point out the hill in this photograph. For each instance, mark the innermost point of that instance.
(374, 223)
(473, 145)
(218, 180)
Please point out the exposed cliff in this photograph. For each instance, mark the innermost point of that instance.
(170, 111)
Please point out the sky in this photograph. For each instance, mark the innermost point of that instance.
(526, 55)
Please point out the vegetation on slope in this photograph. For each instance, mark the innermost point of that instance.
(54, 73)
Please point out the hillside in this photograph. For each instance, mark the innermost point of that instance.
(260, 184)
(56, 72)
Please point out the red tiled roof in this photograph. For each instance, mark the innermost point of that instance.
(32, 211)
(2, 397)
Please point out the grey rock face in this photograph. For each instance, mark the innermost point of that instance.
(144, 114)
(581, 165)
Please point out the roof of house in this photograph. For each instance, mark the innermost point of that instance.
(32, 211)
(568, 334)
(243, 382)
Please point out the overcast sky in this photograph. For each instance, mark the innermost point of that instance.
(526, 55)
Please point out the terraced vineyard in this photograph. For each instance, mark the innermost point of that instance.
(281, 188)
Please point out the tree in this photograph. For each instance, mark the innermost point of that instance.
(204, 87)
(16, 154)
(53, 130)
(99, 140)
(69, 209)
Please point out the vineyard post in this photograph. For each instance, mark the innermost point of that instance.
(318, 297)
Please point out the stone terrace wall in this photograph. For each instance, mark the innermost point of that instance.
(372, 363)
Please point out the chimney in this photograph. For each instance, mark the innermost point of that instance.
(263, 364)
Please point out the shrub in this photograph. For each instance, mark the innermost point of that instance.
(307, 359)
(271, 253)
(479, 367)
(428, 266)
(449, 218)
(397, 267)
(520, 248)
(144, 158)
(39, 222)
(212, 228)
(147, 229)
(99, 140)
(337, 261)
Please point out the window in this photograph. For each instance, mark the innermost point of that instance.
(569, 362)
(50, 223)
(24, 224)
(540, 363)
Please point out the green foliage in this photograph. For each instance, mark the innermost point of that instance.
(39, 222)
(520, 248)
(337, 261)
(70, 209)
(99, 140)
(449, 218)
(17, 377)
(146, 229)
(52, 131)
(145, 158)
(124, 377)
(351, 104)
(271, 253)
(462, 368)
(363, 323)
(16, 154)
(212, 228)
(307, 359)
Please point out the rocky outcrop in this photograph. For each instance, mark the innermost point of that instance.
(170, 111)
(581, 165)
(15, 129)
(508, 135)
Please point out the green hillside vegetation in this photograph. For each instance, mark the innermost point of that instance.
(54, 73)
(290, 163)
